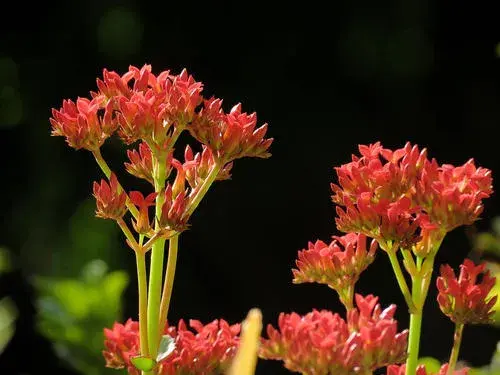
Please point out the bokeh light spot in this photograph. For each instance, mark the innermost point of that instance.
(119, 33)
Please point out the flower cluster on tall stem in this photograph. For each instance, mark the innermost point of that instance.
(152, 111)
(408, 203)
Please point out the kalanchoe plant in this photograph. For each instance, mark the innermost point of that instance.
(398, 200)
(406, 203)
(150, 112)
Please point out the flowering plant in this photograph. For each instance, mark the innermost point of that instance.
(151, 111)
(398, 201)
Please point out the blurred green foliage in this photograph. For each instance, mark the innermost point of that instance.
(73, 313)
(8, 315)
(81, 294)
(8, 311)
(489, 242)
(493, 368)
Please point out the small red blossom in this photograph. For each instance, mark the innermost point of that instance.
(453, 196)
(86, 123)
(203, 349)
(323, 343)
(141, 163)
(110, 199)
(198, 166)
(401, 370)
(142, 225)
(113, 85)
(230, 136)
(155, 105)
(122, 343)
(337, 265)
(465, 300)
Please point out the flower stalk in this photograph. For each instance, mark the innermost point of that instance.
(156, 268)
(168, 284)
(457, 340)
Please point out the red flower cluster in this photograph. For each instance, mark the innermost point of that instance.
(143, 106)
(401, 370)
(323, 343)
(337, 265)
(110, 199)
(205, 350)
(86, 123)
(465, 300)
(401, 196)
(230, 136)
(122, 343)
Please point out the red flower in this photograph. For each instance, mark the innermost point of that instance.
(375, 191)
(323, 343)
(208, 350)
(401, 196)
(113, 85)
(230, 136)
(155, 105)
(337, 265)
(204, 349)
(141, 163)
(141, 117)
(401, 370)
(110, 200)
(465, 300)
(452, 196)
(121, 343)
(142, 225)
(197, 167)
(86, 123)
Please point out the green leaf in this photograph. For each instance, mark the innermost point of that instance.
(167, 346)
(143, 363)
(432, 365)
(72, 294)
(8, 314)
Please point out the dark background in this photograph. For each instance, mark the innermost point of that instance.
(325, 79)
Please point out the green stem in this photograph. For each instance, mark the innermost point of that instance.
(107, 172)
(156, 268)
(169, 280)
(457, 340)
(346, 297)
(143, 302)
(200, 193)
(401, 279)
(414, 341)
(128, 234)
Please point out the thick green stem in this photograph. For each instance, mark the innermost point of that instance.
(156, 268)
(457, 340)
(107, 172)
(401, 279)
(414, 342)
(169, 280)
(202, 190)
(415, 321)
(143, 302)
